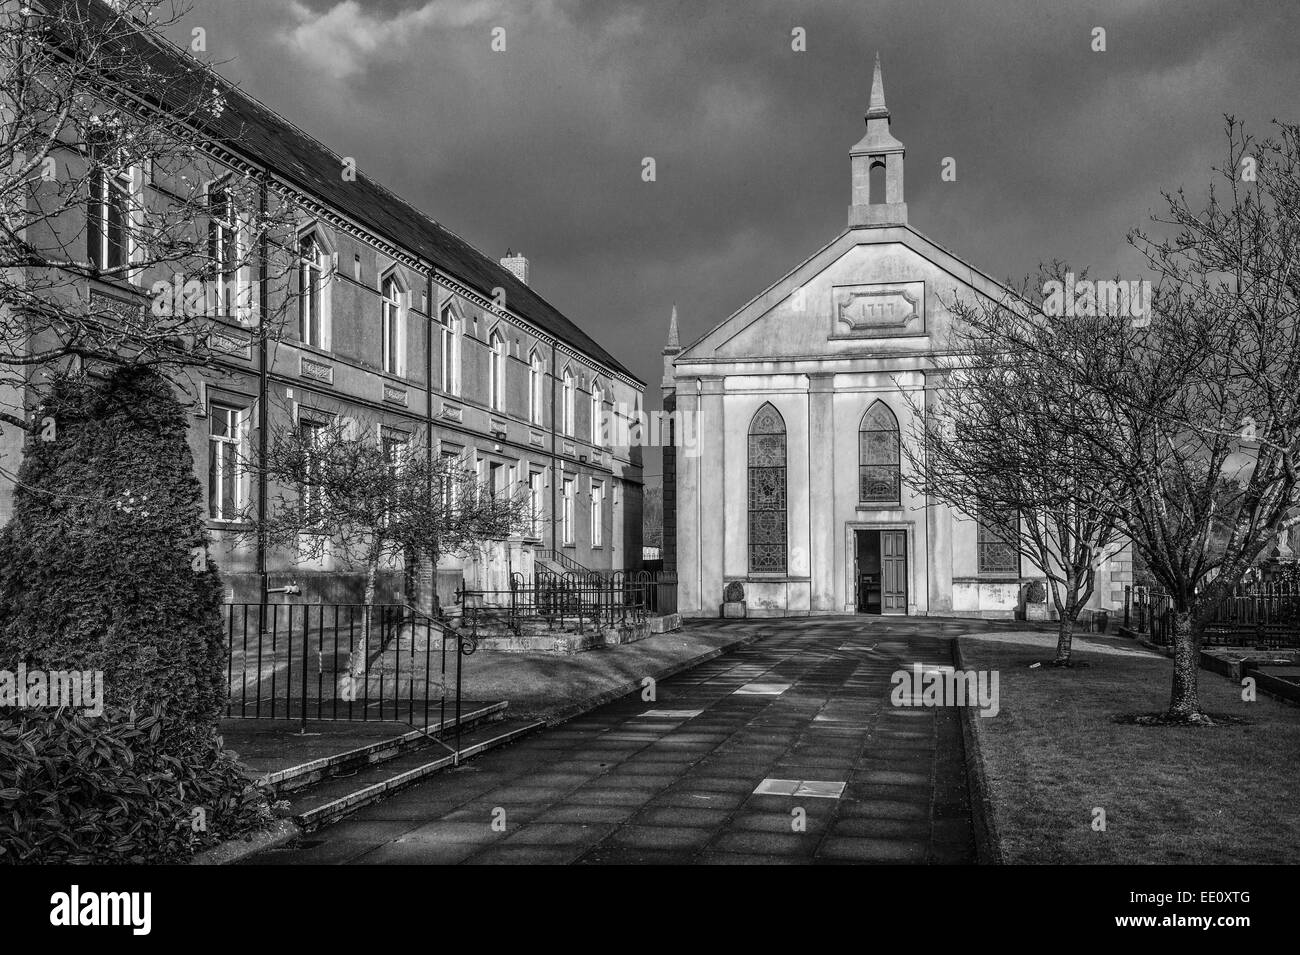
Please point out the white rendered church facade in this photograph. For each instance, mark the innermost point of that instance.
(801, 400)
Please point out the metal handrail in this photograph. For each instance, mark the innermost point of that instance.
(564, 560)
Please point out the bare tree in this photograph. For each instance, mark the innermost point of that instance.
(123, 238)
(1212, 455)
(372, 499)
(1193, 413)
(999, 442)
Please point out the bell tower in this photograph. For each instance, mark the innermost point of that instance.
(877, 149)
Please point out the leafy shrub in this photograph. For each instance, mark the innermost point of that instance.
(95, 564)
(1035, 592)
(114, 789)
(1287, 571)
(733, 592)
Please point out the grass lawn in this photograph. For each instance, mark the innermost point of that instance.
(1222, 794)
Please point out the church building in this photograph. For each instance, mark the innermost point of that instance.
(801, 399)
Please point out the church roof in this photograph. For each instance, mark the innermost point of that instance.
(255, 132)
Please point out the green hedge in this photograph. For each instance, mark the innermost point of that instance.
(95, 564)
(113, 789)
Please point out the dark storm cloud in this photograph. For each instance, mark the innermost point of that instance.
(1059, 149)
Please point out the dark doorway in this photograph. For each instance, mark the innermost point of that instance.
(880, 571)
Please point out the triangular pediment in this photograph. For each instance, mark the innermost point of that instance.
(872, 291)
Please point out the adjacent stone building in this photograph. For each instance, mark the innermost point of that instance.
(387, 319)
(802, 399)
(419, 332)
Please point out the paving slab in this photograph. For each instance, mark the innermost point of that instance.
(805, 705)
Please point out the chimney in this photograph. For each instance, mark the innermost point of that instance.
(517, 264)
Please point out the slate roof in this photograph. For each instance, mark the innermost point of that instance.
(253, 131)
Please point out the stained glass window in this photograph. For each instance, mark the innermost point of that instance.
(767, 507)
(878, 455)
(996, 557)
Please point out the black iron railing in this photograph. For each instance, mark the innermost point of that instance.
(342, 662)
(584, 601)
(1250, 616)
(661, 590)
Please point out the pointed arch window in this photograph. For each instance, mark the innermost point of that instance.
(569, 396)
(391, 326)
(597, 407)
(767, 492)
(878, 456)
(114, 208)
(225, 249)
(497, 371)
(451, 336)
(311, 292)
(536, 376)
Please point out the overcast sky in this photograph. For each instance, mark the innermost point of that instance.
(1059, 149)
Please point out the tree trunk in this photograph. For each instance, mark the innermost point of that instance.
(360, 653)
(1185, 701)
(1068, 610)
(435, 603)
(1065, 634)
(422, 581)
(411, 590)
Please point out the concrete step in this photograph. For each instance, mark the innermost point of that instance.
(354, 760)
(333, 798)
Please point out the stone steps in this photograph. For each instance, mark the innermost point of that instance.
(333, 798)
(354, 760)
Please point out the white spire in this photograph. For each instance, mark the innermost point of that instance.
(877, 105)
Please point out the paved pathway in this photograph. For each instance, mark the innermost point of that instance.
(659, 782)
